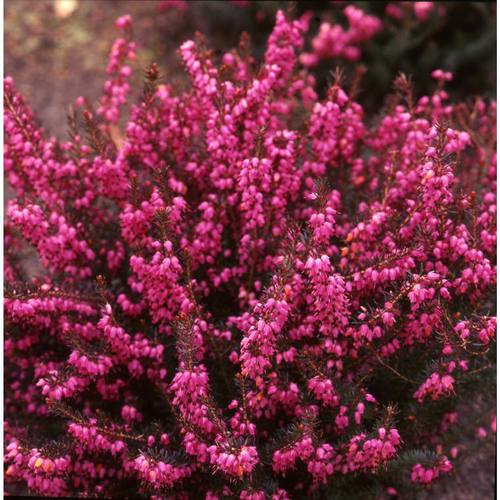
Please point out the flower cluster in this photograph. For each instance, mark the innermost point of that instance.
(160, 474)
(371, 453)
(333, 41)
(435, 386)
(421, 10)
(236, 297)
(420, 474)
(241, 462)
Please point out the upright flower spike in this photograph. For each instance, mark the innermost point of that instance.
(330, 300)
(266, 323)
(285, 38)
(117, 87)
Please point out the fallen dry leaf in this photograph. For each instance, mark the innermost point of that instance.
(64, 8)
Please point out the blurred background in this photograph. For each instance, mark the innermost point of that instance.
(57, 50)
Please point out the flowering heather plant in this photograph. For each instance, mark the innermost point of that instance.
(255, 293)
